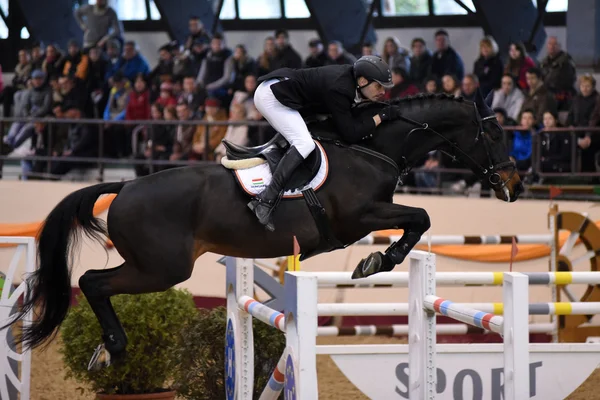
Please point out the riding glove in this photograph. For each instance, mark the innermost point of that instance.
(389, 113)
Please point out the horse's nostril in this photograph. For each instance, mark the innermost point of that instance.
(518, 188)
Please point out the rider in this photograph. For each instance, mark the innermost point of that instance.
(332, 89)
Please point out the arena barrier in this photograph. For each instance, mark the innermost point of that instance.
(382, 371)
(13, 387)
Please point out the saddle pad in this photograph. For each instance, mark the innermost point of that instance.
(254, 180)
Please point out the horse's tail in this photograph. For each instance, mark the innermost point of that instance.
(49, 287)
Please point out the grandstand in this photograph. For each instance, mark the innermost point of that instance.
(121, 89)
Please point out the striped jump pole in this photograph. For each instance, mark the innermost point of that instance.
(422, 329)
(403, 309)
(343, 280)
(275, 384)
(560, 308)
(262, 312)
(467, 315)
(379, 239)
(403, 330)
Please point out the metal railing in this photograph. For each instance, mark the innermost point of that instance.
(137, 126)
(101, 160)
(536, 158)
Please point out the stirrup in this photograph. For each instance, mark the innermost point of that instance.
(269, 221)
(263, 201)
(272, 205)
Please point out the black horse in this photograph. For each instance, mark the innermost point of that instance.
(160, 224)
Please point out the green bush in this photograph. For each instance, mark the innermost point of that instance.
(201, 370)
(153, 323)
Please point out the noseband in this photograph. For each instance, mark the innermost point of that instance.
(490, 173)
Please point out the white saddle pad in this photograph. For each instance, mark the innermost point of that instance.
(254, 180)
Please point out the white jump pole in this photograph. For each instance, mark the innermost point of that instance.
(422, 327)
(516, 336)
(239, 362)
(301, 323)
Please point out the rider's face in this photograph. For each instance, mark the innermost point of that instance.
(373, 91)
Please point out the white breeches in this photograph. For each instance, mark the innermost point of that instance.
(283, 119)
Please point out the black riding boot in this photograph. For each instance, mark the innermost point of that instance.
(264, 203)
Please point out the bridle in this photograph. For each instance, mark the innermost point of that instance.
(490, 173)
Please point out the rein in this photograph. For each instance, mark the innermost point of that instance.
(490, 173)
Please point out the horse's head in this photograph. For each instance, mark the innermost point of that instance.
(478, 143)
(467, 131)
(489, 155)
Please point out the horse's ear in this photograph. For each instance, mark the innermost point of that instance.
(483, 105)
(489, 99)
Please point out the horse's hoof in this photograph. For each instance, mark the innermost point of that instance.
(368, 266)
(100, 359)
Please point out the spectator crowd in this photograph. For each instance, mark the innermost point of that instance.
(102, 76)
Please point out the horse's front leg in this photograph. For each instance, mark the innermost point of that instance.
(414, 221)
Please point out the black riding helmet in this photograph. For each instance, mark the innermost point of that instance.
(373, 68)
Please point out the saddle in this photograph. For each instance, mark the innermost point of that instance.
(271, 153)
(247, 158)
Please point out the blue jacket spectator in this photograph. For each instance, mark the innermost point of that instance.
(521, 142)
(446, 60)
(116, 107)
(521, 150)
(130, 64)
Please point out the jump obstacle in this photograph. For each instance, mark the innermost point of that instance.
(13, 387)
(565, 326)
(381, 371)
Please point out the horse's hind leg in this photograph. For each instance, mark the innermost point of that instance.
(95, 285)
(99, 285)
(414, 221)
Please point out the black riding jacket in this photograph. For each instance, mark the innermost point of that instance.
(323, 90)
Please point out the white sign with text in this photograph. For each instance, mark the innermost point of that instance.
(466, 371)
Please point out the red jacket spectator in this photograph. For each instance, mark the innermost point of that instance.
(166, 97)
(527, 63)
(401, 91)
(518, 64)
(138, 107)
(402, 87)
(166, 101)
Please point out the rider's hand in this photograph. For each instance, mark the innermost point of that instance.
(389, 113)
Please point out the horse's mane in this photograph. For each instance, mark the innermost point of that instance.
(426, 96)
(413, 99)
(421, 99)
